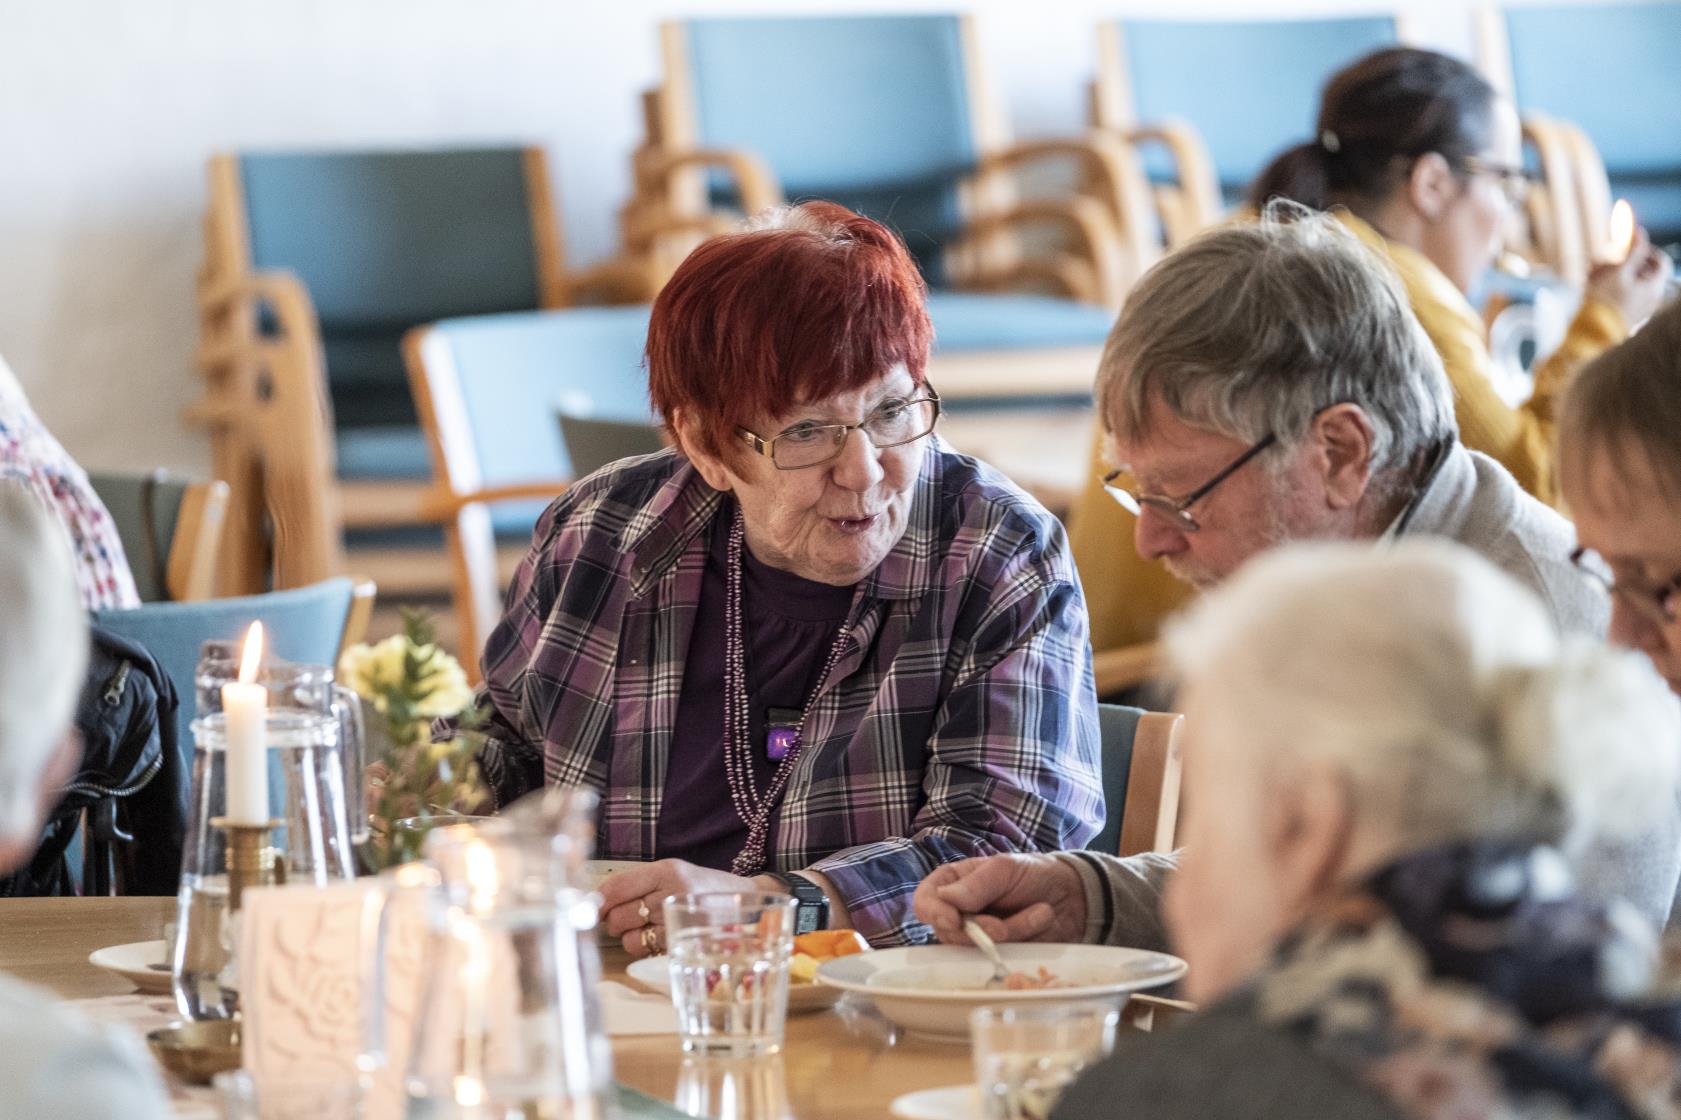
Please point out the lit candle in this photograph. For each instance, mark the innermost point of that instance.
(1619, 240)
(245, 705)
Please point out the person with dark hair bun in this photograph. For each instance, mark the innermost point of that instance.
(1423, 159)
(809, 649)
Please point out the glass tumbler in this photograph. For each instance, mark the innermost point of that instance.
(1027, 1054)
(309, 688)
(729, 970)
(310, 843)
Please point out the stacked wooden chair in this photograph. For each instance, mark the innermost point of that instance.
(316, 265)
(1599, 90)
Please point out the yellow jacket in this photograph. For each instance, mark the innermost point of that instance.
(1129, 597)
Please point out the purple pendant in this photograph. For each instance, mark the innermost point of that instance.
(779, 741)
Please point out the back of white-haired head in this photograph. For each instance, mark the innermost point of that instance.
(1439, 686)
(43, 652)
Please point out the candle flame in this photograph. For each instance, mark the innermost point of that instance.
(253, 654)
(1619, 242)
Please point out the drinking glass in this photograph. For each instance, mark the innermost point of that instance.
(729, 970)
(310, 688)
(1027, 1054)
(733, 1089)
(310, 844)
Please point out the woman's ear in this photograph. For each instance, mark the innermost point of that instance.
(1310, 834)
(711, 468)
(1432, 185)
(1343, 436)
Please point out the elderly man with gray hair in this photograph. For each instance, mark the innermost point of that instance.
(52, 1062)
(1266, 384)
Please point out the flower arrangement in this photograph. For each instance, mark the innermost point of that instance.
(405, 683)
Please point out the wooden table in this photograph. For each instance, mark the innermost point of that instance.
(841, 1063)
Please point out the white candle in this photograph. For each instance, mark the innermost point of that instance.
(245, 704)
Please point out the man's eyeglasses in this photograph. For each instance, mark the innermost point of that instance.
(895, 421)
(1658, 605)
(1125, 489)
(1514, 181)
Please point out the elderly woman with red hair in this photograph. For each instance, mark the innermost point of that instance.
(809, 649)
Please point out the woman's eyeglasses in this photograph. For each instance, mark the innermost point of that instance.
(894, 422)
(1658, 605)
(1515, 182)
(1125, 489)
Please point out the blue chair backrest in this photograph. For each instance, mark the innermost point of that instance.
(305, 624)
(385, 241)
(515, 371)
(1613, 69)
(1116, 727)
(1251, 88)
(870, 111)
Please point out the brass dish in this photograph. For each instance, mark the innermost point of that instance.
(196, 1052)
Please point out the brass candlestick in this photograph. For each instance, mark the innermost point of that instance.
(252, 860)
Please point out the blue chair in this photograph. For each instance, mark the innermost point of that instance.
(171, 530)
(1141, 780)
(1208, 139)
(306, 624)
(331, 257)
(1610, 71)
(884, 114)
(488, 389)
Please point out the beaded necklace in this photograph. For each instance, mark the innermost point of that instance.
(754, 809)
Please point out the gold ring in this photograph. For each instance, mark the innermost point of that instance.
(642, 910)
(650, 940)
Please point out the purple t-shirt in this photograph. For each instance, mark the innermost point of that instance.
(789, 626)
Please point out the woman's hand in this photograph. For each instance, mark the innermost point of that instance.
(1013, 897)
(1636, 286)
(633, 900)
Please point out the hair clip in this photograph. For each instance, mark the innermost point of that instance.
(1330, 141)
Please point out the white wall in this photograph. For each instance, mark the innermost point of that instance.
(108, 109)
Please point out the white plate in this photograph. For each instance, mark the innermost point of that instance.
(654, 973)
(131, 962)
(930, 989)
(954, 1102)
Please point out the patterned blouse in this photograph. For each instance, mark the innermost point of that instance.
(960, 720)
(31, 456)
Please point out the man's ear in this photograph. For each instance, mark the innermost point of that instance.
(1343, 438)
(711, 468)
(1431, 185)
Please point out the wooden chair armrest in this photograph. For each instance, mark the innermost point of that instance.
(1193, 168)
(1070, 275)
(439, 505)
(284, 295)
(1126, 667)
(756, 185)
(1115, 178)
(1097, 239)
(191, 573)
(362, 596)
(1149, 1013)
(622, 280)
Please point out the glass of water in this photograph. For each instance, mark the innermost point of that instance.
(1027, 1054)
(729, 970)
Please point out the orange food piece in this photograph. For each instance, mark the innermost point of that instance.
(827, 944)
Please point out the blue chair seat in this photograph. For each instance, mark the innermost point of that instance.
(979, 321)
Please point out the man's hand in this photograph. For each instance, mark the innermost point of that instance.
(1013, 897)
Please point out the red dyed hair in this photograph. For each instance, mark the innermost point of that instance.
(804, 304)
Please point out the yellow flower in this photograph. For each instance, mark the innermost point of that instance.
(372, 671)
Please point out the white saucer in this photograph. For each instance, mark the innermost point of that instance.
(954, 1102)
(132, 962)
(654, 974)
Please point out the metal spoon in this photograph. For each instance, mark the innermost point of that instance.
(1000, 971)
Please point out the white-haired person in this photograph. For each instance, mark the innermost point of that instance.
(1390, 756)
(53, 1063)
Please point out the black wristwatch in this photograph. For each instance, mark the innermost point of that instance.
(812, 911)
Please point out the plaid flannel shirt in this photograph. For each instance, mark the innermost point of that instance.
(961, 720)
